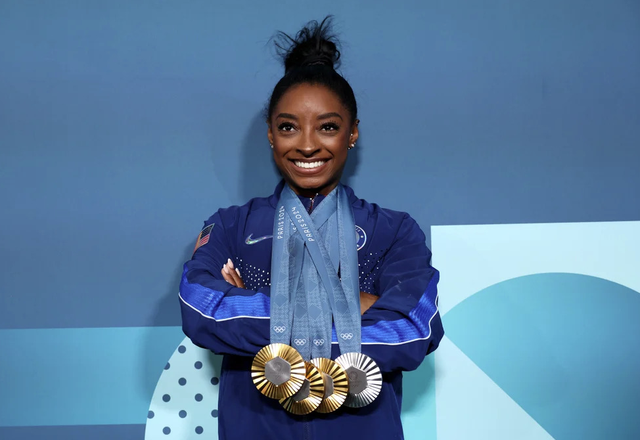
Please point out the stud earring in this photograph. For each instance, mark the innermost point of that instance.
(352, 145)
(271, 146)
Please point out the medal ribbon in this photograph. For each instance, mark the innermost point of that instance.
(306, 293)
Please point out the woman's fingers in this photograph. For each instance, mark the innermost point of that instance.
(366, 301)
(226, 274)
(232, 274)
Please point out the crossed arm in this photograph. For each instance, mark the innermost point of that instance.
(232, 276)
(399, 327)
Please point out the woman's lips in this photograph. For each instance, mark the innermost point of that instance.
(309, 166)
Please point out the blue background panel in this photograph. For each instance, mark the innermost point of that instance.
(124, 125)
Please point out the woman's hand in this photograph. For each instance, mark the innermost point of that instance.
(232, 275)
(366, 301)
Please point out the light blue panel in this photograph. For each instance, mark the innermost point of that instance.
(419, 402)
(563, 346)
(75, 432)
(82, 376)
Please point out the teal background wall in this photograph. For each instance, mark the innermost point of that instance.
(123, 125)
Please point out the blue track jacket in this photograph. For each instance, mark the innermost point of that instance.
(397, 331)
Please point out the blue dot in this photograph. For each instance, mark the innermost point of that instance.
(214, 381)
(166, 397)
(198, 365)
(182, 349)
(199, 429)
(166, 430)
(214, 413)
(166, 367)
(182, 381)
(182, 414)
(150, 415)
(198, 397)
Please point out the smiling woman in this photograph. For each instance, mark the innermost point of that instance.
(333, 298)
(310, 132)
(312, 113)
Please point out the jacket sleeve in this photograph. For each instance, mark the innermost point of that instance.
(215, 314)
(404, 325)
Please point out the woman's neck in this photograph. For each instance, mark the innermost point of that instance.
(313, 192)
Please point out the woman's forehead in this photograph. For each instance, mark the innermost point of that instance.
(310, 97)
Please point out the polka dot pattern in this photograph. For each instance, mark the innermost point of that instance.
(368, 270)
(254, 277)
(184, 405)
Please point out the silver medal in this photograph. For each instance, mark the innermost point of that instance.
(365, 379)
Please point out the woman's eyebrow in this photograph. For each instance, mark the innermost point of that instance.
(330, 115)
(287, 115)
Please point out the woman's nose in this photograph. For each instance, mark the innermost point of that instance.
(308, 144)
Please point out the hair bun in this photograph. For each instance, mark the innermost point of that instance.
(313, 45)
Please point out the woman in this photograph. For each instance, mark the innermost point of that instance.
(238, 268)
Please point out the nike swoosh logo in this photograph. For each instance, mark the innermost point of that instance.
(250, 240)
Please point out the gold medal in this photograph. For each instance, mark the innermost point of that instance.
(365, 379)
(309, 397)
(278, 371)
(336, 384)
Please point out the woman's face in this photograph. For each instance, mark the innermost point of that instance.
(310, 131)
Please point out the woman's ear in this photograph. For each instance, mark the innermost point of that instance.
(270, 134)
(353, 137)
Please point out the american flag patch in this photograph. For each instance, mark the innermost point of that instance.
(203, 238)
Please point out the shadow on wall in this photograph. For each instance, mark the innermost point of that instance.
(351, 168)
(258, 173)
(167, 314)
(419, 385)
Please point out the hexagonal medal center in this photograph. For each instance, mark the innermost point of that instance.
(303, 393)
(357, 380)
(277, 371)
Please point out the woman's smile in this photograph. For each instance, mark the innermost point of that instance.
(310, 166)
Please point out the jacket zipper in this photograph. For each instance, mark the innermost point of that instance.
(313, 199)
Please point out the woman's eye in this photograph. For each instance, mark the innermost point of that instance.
(286, 126)
(329, 126)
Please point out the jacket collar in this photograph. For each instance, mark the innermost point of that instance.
(273, 199)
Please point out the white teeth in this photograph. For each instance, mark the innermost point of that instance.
(309, 164)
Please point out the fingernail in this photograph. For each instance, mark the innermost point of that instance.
(224, 268)
(238, 272)
(230, 263)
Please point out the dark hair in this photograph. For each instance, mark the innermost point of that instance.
(310, 58)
